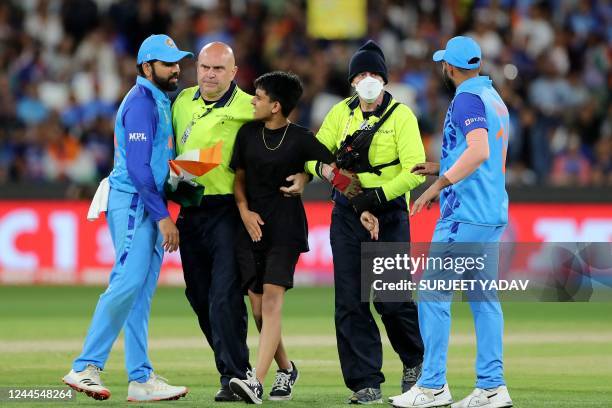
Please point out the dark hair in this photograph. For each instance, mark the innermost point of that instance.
(465, 70)
(282, 87)
(140, 70)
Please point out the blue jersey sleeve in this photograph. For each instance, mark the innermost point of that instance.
(469, 113)
(140, 123)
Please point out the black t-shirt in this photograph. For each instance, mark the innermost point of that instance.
(267, 163)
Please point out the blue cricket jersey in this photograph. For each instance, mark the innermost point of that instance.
(481, 197)
(143, 146)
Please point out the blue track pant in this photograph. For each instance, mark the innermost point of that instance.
(435, 320)
(127, 300)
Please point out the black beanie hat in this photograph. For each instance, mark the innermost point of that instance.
(368, 58)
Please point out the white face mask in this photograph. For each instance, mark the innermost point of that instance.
(369, 89)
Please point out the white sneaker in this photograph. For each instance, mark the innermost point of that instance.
(420, 397)
(493, 398)
(155, 389)
(87, 381)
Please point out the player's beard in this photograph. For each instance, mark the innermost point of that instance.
(164, 83)
(450, 85)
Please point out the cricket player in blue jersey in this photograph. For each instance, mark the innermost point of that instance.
(140, 226)
(473, 209)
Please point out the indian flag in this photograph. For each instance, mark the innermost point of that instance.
(196, 163)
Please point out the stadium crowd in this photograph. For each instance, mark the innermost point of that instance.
(65, 64)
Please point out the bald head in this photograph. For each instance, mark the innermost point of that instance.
(216, 70)
(218, 51)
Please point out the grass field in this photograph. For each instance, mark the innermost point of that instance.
(556, 355)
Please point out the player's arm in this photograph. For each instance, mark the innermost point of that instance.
(140, 124)
(469, 115)
(251, 220)
(476, 153)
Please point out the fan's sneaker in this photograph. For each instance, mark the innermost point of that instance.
(282, 388)
(226, 395)
(420, 397)
(366, 396)
(410, 376)
(88, 382)
(156, 388)
(490, 398)
(250, 390)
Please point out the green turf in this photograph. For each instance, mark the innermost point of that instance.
(556, 355)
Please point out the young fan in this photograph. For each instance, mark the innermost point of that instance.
(275, 230)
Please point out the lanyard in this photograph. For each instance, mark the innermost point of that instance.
(194, 118)
(364, 125)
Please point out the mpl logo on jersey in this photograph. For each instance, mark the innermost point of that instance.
(137, 137)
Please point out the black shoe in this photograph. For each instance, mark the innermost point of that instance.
(283, 384)
(366, 396)
(410, 376)
(250, 390)
(226, 395)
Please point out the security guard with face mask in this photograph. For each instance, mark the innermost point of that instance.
(377, 138)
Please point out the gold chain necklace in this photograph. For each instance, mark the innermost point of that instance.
(263, 136)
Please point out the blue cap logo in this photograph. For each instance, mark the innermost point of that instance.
(162, 48)
(461, 52)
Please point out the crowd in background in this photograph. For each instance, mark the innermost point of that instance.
(66, 64)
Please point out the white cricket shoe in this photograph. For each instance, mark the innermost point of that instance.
(492, 398)
(155, 389)
(420, 397)
(87, 381)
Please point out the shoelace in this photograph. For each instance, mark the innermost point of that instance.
(158, 379)
(251, 379)
(479, 392)
(368, 392)
(281, 381)
(93, 372)
(410, 374)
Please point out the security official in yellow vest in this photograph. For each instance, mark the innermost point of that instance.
(205, 116)
(374, 136)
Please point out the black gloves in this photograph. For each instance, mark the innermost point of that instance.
(368, 200)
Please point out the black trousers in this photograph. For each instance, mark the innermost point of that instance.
(357, 335)
(207, 240)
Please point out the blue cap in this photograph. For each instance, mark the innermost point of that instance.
(461, 52)
(162, 48)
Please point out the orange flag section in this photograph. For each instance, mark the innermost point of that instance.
(196, 163)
